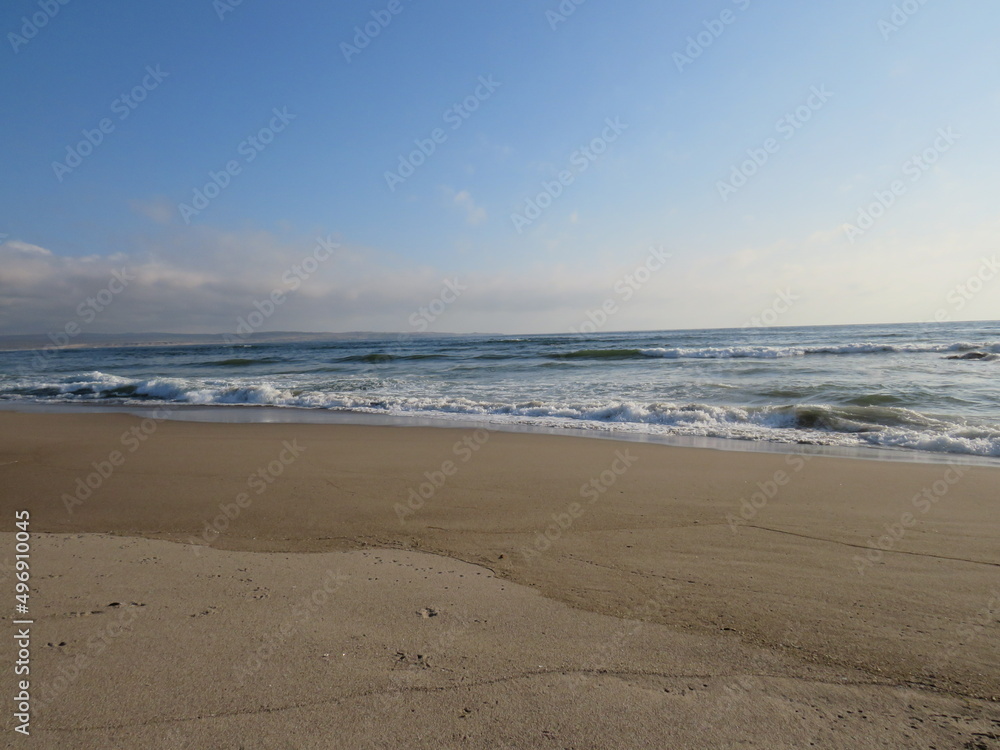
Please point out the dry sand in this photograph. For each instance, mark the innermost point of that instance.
(328, 613)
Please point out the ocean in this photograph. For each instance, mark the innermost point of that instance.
(921, 389)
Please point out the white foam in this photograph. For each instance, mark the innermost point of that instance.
(779, 352)
(728, 352)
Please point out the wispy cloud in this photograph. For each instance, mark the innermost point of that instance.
(158, 209)
(474, 214)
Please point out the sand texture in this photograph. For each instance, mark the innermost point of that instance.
(271, 586)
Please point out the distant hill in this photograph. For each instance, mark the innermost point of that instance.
(96, 340)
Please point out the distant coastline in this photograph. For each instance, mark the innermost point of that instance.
(29, 341)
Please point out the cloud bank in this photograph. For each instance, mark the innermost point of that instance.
(198, 280)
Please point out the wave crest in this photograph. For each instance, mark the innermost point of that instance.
(875, 423)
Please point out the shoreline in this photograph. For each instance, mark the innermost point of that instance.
(270, 414)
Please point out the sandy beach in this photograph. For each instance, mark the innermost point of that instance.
(316, 586)
(500, 376)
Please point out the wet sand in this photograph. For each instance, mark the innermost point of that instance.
(304, 585)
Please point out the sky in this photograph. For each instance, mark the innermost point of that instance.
(402, 165)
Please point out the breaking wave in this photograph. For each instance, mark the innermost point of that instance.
(874, 423)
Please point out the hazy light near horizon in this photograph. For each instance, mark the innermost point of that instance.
(407, 168)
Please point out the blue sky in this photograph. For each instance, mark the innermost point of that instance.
(889, 90)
